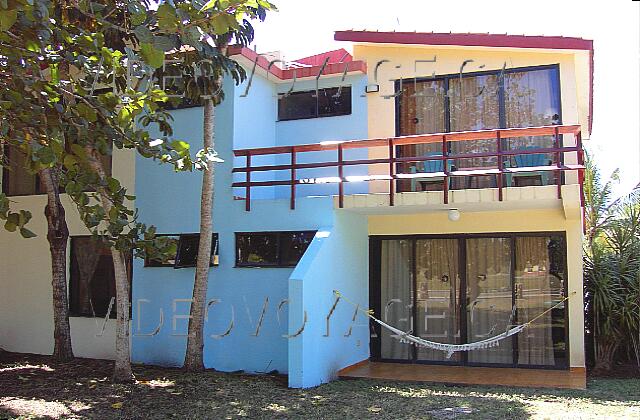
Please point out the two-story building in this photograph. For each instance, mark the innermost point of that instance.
(432, 178)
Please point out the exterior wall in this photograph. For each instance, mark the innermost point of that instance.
(507, 221)
(26, 312)
(316, 130)
(338, 260)
(171, 202)
(381, 109)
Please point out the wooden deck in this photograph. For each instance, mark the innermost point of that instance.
(463, 375)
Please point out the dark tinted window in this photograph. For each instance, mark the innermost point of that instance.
(16, 179)
(256, 249)
(275, 249)
(328, 102)
(186, 252)
(293, 245)
(92, 278)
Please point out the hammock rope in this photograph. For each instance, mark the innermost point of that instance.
(450, 349)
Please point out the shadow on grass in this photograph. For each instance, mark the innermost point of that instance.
(37, 386)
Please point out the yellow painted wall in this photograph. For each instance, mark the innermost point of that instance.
(26, 314)
(506, 221)
(574, 73)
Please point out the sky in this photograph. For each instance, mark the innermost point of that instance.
(301, 28)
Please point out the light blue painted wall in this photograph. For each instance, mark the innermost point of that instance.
(170, 201)
(315, 130)
(336, 260)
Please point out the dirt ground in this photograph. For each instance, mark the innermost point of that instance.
(36, 387)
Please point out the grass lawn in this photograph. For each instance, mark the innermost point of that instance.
(36, 387)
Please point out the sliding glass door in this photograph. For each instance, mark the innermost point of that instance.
(396, 296)
(467, 288)
(438, 295)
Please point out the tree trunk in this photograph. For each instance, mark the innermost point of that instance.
(193, 361)
(122, 370)
(58, 235)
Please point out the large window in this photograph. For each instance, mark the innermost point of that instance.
(186, 252)
(271, 249)
(520, 97)
(327, 102)
(92, 289)
(468, 288)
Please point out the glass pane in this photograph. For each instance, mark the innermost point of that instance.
(532, 99)
(396, 296)
(19, 181)
(438, 289)
(257, 248)
(293, 245)
(92, 281)
(422, 108)
(539, 286)
(421, 112)
(489, 297)
(297, 105)
(474, 106)
(170, 262)
(330, 103)
(188, 250)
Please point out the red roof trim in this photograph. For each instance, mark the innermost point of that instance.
(467, 40)
(478, 40)
(330, 69)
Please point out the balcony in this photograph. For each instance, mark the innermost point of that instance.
(399, 170)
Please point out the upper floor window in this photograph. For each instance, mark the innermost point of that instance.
(92, 289)
(511, 98)
(186, 252)
(271, 249)
(518, 97)
(328, 102)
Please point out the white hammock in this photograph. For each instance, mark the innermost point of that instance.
(405, 337)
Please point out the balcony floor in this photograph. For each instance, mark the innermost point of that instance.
(464, 375)
(485, 199)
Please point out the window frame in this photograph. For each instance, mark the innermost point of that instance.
(38, 190)
(374, 291)
(446, 78)
(6, 173)
(282, 96)
(73, 285)
(279, 257)
(215, 252)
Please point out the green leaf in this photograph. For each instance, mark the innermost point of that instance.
(87, 112)
(180, 146)
(26, 233)
(167, 19)
(151, 55)
(143, 34)
(7, 19)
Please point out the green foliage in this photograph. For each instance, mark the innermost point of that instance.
(612, 268)
(14, 221)
(78, 79)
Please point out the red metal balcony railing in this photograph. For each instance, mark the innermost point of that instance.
(391, 161)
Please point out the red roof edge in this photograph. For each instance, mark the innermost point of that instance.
(478, 40)
(467, 40)
(329, 69)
